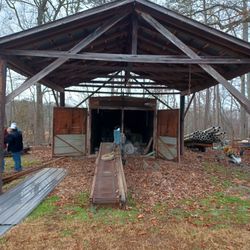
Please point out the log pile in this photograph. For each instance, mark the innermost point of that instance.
(207, 136)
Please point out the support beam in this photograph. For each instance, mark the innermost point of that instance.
(120, 85)
(133, 46)
(188, 106)
(55, 97)
(209, 69)
(155, 96)
(112, 57)
(58, 62)
(94, 92)
(120, 93)
(62, 99)
(182, 118)
(2, 112)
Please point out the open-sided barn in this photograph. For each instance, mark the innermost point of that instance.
(137, 37)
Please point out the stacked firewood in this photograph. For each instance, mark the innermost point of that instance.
(208, 136)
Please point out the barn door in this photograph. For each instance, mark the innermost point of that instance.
(168, 134)
(69, 131)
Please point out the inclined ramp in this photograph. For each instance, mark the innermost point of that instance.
(109, 185)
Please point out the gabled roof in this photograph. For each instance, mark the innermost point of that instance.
(63, 34)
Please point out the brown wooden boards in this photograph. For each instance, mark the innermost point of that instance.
(69, 131)
(122, 102)
(168, 134)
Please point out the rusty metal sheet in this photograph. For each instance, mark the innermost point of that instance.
(109, 184)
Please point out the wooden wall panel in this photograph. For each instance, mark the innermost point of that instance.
(69, 121)
(69, 131)
(168, 134)
(168, 122)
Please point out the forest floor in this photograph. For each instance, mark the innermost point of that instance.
(201, 203)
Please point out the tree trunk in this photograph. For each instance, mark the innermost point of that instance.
(195, 113)
(243, 115)
(39, 119)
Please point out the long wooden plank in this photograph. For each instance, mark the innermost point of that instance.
(135, 58)
(209, 69)
(58, 62)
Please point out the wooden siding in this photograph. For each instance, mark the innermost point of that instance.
(122, 102)
(69, 121)
(168, 134)
(69, 131)
(69, 144)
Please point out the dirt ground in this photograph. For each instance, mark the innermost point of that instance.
(150, 182)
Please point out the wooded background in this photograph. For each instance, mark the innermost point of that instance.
(213, 107)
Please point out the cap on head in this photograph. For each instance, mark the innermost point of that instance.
(13, 125)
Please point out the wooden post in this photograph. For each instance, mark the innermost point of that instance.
(62, 99)
(189, 104)
(2, 112)
(182, 109)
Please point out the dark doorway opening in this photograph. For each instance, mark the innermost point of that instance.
(103, 124)
(138, 128)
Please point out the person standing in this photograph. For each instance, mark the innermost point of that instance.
(14, 140)
(5, 146)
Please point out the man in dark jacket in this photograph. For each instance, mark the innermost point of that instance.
(14, 140)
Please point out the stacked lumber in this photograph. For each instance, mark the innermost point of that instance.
(207, 136)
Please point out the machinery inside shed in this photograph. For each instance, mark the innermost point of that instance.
(137, 126)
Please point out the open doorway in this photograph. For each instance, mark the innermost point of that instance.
(103, 122)
(138, 128)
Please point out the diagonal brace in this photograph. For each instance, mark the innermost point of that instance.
(209, 69)
(58, 62)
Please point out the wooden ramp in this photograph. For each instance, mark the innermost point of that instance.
(18, 202)
(109, 185)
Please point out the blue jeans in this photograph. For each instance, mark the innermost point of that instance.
(17, 160)
(2, 166)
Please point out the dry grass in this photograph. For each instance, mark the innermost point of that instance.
(66, 220)
(52, 234)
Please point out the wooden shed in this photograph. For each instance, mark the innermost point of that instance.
(145, 128)
(138, 37)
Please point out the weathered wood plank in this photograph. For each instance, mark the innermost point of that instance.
(70, 144)
(109, 57)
